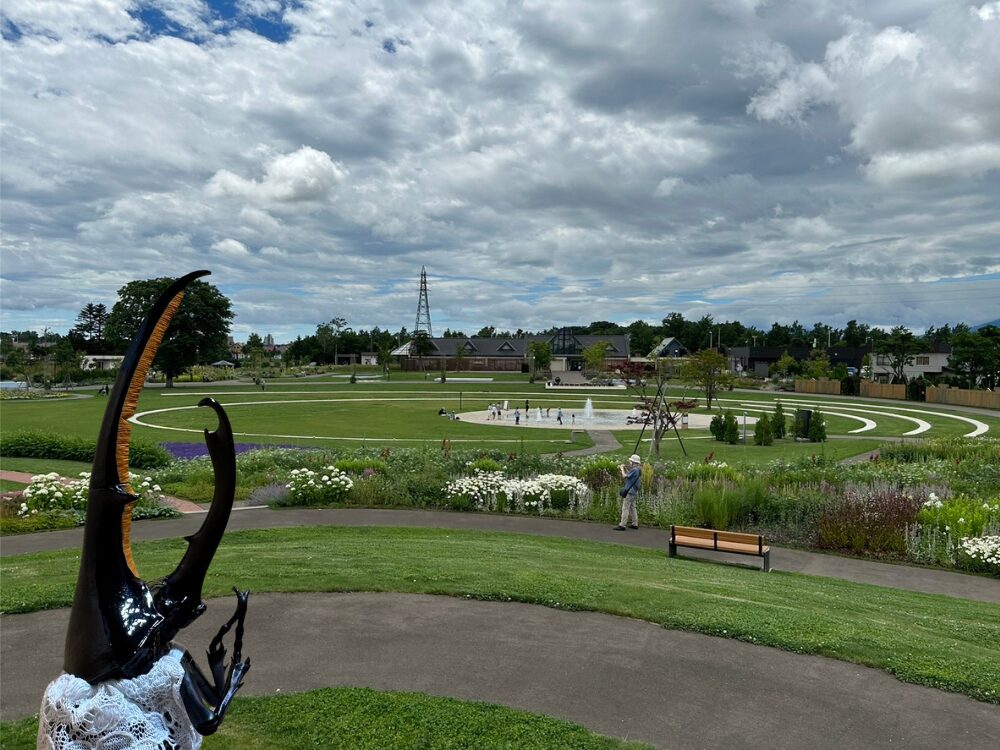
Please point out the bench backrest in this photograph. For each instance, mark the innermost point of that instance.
(693, 532)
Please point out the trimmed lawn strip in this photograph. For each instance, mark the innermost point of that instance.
(7, 485)
(63, 468)
(364, 719)
(942, 642)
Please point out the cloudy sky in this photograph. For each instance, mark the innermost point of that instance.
(548, 161)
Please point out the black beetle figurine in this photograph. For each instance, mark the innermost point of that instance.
(121, 627)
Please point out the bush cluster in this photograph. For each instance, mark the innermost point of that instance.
(42, 444)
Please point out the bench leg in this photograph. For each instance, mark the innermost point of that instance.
(767, 561)
(672, 549)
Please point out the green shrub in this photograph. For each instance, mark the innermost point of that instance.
(42, 444)
(778, 425)
(817, 427)
(485, 464)
(731, 430)
(762, 431)
(717, 427)
(360, 466)
(600, 472)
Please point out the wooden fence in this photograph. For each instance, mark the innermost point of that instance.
(883, 390)
(823, 386)
(961, 397)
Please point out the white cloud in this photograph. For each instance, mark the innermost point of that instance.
(921, 102)
(548, 161)
(304, 175)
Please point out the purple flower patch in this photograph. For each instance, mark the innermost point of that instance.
(185, 451)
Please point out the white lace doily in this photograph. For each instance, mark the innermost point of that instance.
(144, 713)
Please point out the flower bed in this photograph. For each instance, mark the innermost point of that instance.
(49, 501)
(876, 508)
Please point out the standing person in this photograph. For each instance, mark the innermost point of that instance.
(630, 493)
(559, 414)
(527, 407)
(517, 415)
(263, 384)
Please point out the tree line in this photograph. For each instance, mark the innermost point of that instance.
(199, 334)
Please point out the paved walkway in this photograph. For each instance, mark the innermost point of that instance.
(782, 559)
(620, 677)
(604, 441)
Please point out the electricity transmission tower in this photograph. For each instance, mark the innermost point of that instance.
(423, 322)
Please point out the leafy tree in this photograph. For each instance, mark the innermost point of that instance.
(198, 331)
(459, 358)
(642, 337)
(854, 334)
(650, 392)
(420, 346)
(707, 370)
(778, 425)
(19, 361)
(977, 356)
(486, 332)
(328, 338)
(540, 353)
(383, 354)
(90, 325)
(762, 433)
(898, 349)
(595, 355)
(253, 350)
(786, 365)
(818, 365)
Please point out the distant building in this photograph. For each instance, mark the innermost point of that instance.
(933, 362)
(511, 354)
(102, 361)
(669, 347)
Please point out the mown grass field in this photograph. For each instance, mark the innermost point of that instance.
(363, 719)
(938, 641)
(330, 412)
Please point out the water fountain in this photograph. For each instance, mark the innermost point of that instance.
(538, 414)
(588, 410)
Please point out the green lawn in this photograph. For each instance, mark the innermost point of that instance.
(7, 485)
(69, 469)
(363, 719)
(947, 643)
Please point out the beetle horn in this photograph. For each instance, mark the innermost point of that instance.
(178, 596)
(115, 629)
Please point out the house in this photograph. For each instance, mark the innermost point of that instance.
(102, 361)
(469, 353)
(669, 347)
(933, 362)
(511, 354)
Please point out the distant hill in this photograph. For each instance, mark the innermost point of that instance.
(991, 323)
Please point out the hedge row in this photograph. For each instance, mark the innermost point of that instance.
(40, 444)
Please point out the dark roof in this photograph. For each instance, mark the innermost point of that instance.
(617, 344)
(477, 346)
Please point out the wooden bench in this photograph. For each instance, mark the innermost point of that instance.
(720, 541)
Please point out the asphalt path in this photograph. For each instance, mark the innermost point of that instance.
(907, 577)
(620, 677)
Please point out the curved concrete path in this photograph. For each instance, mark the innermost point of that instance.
(907, 577)
(620, 677)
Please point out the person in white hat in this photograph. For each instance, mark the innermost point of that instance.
(630, 492)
